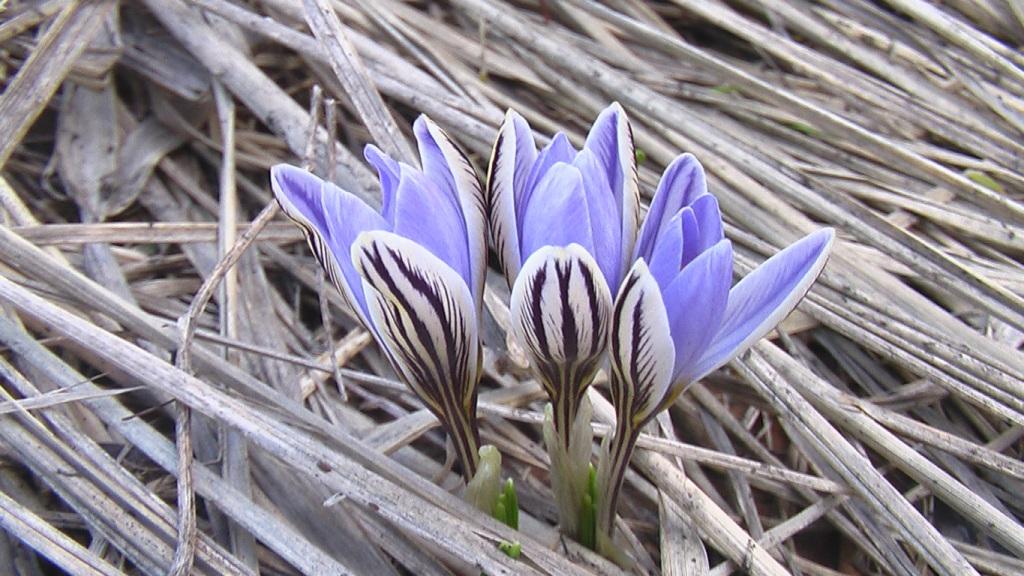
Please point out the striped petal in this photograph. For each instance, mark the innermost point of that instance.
(445, 163)
(560, 307)
(765, 297)
(511, 159)
(642, 351)
(611, 140)
(424, 317)
(331, 219)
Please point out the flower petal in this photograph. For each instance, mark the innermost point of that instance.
(430, 217)
(558, 215)
(691, 237)
(511, 159)
(696, 302)
(709, 221)
(331, 219)
(765, 297)
(642, 355)
(666, 258)
(443, 161)
(559, 310)
(424, 317)
(611, 141)
(604, 217)
(558, 150)
(389, 174)
(681, 183)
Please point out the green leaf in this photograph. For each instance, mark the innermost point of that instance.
(511, 549)
(509, 503)
(588, 512)
(641, 156)
(483, 490)
(979, 177)
(803, 128)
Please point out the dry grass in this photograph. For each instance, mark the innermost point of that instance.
(878, 432)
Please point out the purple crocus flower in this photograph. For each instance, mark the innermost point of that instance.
(413, 272)
(676, 318)
(563, 223)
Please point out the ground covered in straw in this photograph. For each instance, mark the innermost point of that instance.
(877, 432)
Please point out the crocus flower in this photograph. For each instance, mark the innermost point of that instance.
(676, 318)
(563, 223)
(413, 272)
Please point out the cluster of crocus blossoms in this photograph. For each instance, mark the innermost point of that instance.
(591, 288)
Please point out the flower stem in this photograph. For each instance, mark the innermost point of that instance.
(612, 473)
(466, 440)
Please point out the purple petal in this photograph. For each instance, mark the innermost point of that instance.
(665, 260)
(558, 150)
(559, 215)
(611, 141)
(681, 183)
(696, 302)
(709, 221)
(389, 174)
(604, 217)
(691, 237)
(444, 162)
(435, 164)
(431, 217)
(331, 219)
(765, 297)
(526, 151)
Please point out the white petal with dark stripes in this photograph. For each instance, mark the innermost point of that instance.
(560, 309)
(425, 318)
(501, 198)
(642, 352)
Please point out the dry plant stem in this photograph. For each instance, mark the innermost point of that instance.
(974, 508)
(251, 86)
(183, 360)
(29, 18)
(113, 502)
(59, 548)
(348, 67)
(30, 90)
(989, 51)
(236, 452)
(682, 552)
(814, 114)
(184, 552)
(278, 536)
(854, 468)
